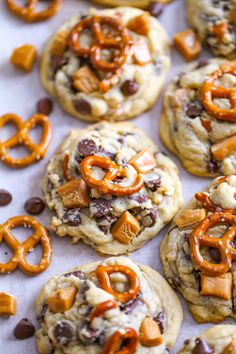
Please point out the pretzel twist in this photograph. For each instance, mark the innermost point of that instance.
(103, 273)
(209, 205)
(29, 13)
(116, 340)
(20, 250)
(198, 238)
(209, 92)
(106, 185)
(22, 137)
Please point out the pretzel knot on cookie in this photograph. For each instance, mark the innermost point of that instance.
(37, 151)
(29, 13)
(106, 185)
(103, 273)
(198, 238)
(20, 250)
(118, 42)
(129, 335)
(209, 92)
(209, 205)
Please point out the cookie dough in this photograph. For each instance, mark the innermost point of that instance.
(79, 329)
(210, 298)
(144, 213)
(143, 4)
(189, 131)
(94, 95)
(214, 21)
(216, 340)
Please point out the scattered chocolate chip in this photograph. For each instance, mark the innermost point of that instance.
(63, 332)
(45, 106)
(105, 222)
(24, 329)
(57, 62)
(213, 166)
(160, 319)
(77, 273)
(130, 305)
(202, 63)
(202, 347)
(100, 207)
(186, 342)
(5, 197)
(83, 106)
(215, 254)
(82, 290)
(129, 87)
(42, 314)
(88, 335)
(72, 217)
(108, 154)
(153, 184)
(34, 206)
(150, 219)
(194, 109)
(155, 8)
(140, 198)
(87, 147)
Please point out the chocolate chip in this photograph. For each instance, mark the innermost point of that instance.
(5, 197)
(83, 106)
(202, 347)
(100, 207)
(45, 106)
(153, 184)
(202, 63)
(155, 8)
(63, 332)
(42, 314)
(24, 329)
(130, 305)
(77, 273)
(215, 254)
(129, 87)
(57, 62)
(88, 335)
(194, 109)
(213, 166)
(140, 198)
(150, 219)
(105, 222)
(72, 217)
(34, 206)
(87, 147)
(82, 290)
(160, 319)
(186, 342)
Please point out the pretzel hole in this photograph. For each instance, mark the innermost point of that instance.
(7, 131)
(36, 133)
(18, 152)
(35, 255)
(21, 233)
(119, 282)
(42, 4)
(5, 253)
(86, 38)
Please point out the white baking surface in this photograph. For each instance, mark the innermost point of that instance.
(19, 93)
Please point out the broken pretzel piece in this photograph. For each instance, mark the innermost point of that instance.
(62, 300)
(7, 304)
(74, 194)
(125, 228)
(149, 333)
(85, 80)
(144, 161)
(190, 218)
(59, 44)
(187, 43)
(224, 148)
(24, 57)
(220, 286)
(220, 30)
(140, 24)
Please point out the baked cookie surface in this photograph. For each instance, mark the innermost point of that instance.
(103, 83)
(83, 324)
(201, 138)
(215, 23)
(198, 252)
(99, 218)
(143, 4)
(216, 340)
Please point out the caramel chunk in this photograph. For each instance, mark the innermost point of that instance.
(24, 57)
(142, 54)
(189, 218)
(220, 30)
(224, 148)
(150, 334)
(231, 348)
(217, 286)
(187, 43)
(74, 194)
(62, 300)
(7, 304)
(140, 24)
(233, 15)
(59, 43)
(144, 161)
(85, 80)
(125, 228)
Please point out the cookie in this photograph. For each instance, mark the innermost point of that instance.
(115, 81)
(143, 4)
(216, 340)
(196, 124)
(199, 266)
(79, 312)
(215, 23)
(119, 215)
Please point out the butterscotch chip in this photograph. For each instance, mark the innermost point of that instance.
(24, 57)
(125, 228)
(189, 218)
(144, 161)
(142, 54)
(220, 30)
(7, 304)
(85, 80)
(220, 286)
(140, 24)
(59, 43)
(231, 348)
(150, 334)
(224, 148)
(62, 300)
(187, 43)
(74, 194)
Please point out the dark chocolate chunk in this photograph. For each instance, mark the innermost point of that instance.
(160, 319)
(215, 254)
(194, 109)
(72, 217)
(105, 222)
(5, 197)
(202, 63)
(83, 106)
(153, 184)
(130, 305)
(82, 290)
(34, 206)
(63, 332)
(213, 166)
(45, 106)
(150, 219)
(88, 335)
(140, 198)
(155, 8)
(77, 273)
(24, 329)
(186, 342)
(202, 347)
(42, 314)
(57, 62)
(129, 87)
(87, 147)
(100, 207)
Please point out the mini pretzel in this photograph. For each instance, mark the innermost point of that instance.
(103, 272)
(209, 205)
(198, 239)
(116, 340)
(210, 91)
(28, 12)
(20, 250)
(120, 42)
(101, 308)
(106, 185)
(22, 137)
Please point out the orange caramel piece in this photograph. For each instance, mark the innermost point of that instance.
(141, 54)
(144, 161)
(74, 194)
(59, 44)
(62, 300)
(224, 148)
(140, 24)
(149, 333)
(125, 228)
(217, 286)
(190, 218)
(85, 80)
(7, 304)
(220, 30)
(231, 348)
(24, 57)
(187, 43)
